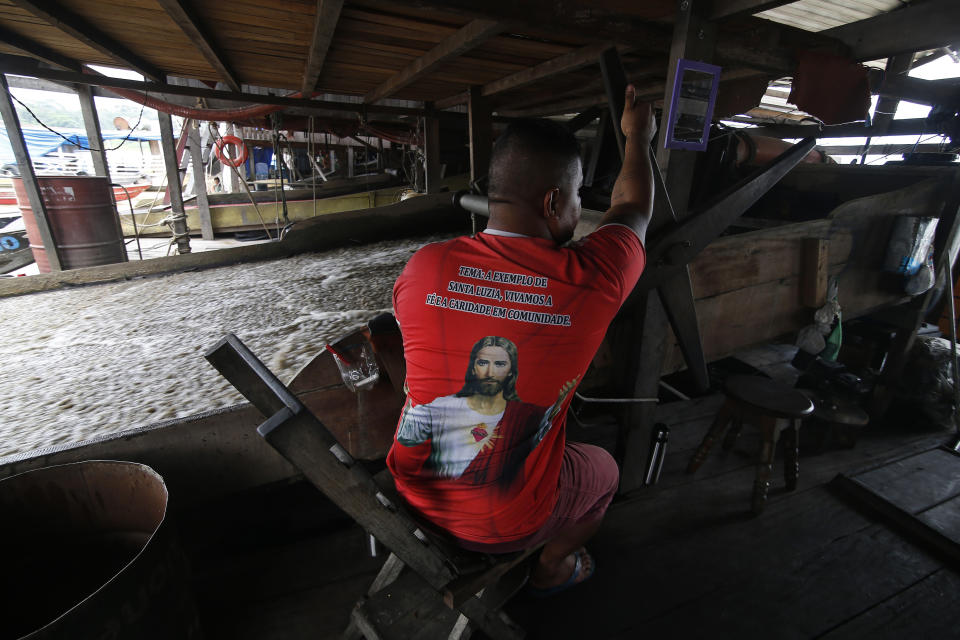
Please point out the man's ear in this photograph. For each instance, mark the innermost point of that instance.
(550, 203)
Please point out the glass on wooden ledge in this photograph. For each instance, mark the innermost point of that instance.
(357, 365)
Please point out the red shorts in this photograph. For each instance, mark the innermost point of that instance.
(588, 480)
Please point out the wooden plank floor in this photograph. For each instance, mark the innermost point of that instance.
(685, 559)
(680, 559)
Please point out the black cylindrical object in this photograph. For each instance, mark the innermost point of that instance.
(473, 203)
(658, 449)
(87, 552)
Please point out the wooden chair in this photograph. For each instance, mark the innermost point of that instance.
(445, 587)
(772, 407)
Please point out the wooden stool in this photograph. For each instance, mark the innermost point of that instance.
(773, 408)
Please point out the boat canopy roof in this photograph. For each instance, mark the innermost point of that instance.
(42, 141)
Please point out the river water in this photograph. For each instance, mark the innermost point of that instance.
(96, 360)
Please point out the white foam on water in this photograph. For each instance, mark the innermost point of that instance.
(86, 362)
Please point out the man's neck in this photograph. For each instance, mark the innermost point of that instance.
(487, 405)
(516, 217)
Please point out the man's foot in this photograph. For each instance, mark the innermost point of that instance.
(575, 568)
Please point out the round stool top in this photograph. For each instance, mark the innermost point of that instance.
(769, 396)
(830, 408)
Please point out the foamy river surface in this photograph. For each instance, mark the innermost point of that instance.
(95, 360)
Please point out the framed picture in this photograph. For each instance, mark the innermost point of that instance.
(691, 107)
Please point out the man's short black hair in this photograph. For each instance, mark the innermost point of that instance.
(530, 157)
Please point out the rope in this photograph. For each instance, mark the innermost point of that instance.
(170, 221)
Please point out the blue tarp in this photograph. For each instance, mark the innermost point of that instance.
(40, 141)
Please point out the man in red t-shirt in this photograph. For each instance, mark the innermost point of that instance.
(513, 313)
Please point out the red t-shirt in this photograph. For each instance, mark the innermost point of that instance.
(513, 321)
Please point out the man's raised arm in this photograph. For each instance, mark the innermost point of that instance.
(631, 202)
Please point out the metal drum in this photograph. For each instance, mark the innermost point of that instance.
(82, 219)
(87, 553)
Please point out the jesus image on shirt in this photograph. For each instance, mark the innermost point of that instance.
(483, 433)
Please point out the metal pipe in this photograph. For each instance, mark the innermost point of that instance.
(473, 203)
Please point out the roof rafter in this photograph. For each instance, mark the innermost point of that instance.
(23, 66)
(190, 25)
(81, 30)
(324, 24)
(569, 18)
(39, 51)
(729, 8)
(457, 44)
(914, 27)
(582, 57)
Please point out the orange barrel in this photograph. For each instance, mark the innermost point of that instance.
(82, 219)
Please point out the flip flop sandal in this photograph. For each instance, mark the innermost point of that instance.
(572, 581)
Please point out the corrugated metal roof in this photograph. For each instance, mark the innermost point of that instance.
(819, 15)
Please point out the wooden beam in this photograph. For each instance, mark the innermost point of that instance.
(929, 92)
(173, 182)
(466, 38)
(20, 65)
(98, 152)
(39, 51)
(643, 355)
(480, 133)
(913, 27)
(431, 148)
(887, 105)
(884, 149)
(184, 17)
(324, 24)
(731, 8)
(452, 101)
(12, 124)
(91, 122)
(748, 47)
(582, 57)
(693, 39)
(563, 17)
(82, 31)
(581, 120)
(910, 126)
(199, 181)
(574, 105)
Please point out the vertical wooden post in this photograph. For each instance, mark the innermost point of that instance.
(92, 125)
(351, 159)
(98, 151)
(12, 123)
(431, 149)
(200, 181)
(380, 164)
(694, 37)
(814, 266)
(643, 352)
(173, 182)
(480, 119)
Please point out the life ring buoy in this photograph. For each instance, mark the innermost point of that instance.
(228, 160)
